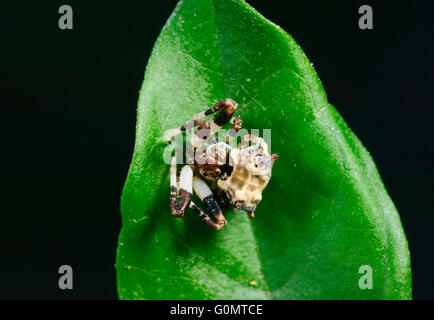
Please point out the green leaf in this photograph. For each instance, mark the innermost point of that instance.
(325, 212)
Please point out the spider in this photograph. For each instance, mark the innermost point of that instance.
(238, 175)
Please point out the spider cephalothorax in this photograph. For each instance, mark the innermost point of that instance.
(238, 175)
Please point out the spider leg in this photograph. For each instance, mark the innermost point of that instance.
(228, 105)
(202, 134)
(236, 126)
(201, 123)
(220, 196)
(205, 217)
(219, 120)
(185, 189)
(206, 196)
(255, 140)
(210, 127)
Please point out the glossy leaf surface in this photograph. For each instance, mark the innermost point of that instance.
(325, 212)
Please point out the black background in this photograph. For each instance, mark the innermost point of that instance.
(68, 122)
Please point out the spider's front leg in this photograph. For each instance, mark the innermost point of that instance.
(236, 126)
(177, 208)
(205, 217)
(227, 107)
(201, 123)
(212, 126)
(204, 193)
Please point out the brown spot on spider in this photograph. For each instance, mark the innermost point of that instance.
(239, 175)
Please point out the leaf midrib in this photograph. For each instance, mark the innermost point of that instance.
(253, 235)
